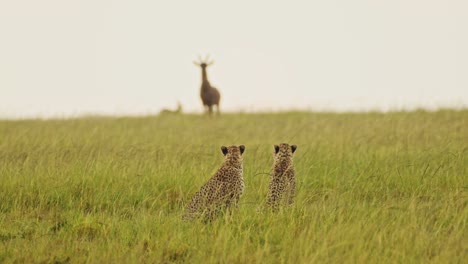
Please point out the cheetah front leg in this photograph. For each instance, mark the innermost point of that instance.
(237, 201)
(232, 202)
(209, 214)
(291, 192)
(274, 195)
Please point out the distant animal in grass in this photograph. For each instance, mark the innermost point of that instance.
(178, 110)
(282, 189)
(210, 96)
(223, 190)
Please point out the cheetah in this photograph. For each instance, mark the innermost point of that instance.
(282, 187)
(223, 190)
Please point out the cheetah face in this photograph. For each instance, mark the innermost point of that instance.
(233, 152)
(284, 151)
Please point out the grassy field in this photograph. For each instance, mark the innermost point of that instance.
(371, 188)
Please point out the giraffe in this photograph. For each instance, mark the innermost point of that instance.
(210, 95)
(178, 110)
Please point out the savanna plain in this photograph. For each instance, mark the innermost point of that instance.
(372, 188)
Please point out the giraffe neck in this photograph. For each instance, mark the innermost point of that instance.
(204, 76)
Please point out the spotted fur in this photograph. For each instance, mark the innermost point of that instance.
(282, 189)
(223, 190)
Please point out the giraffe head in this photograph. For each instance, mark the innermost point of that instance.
(203, 63)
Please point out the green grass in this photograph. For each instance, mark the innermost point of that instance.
(371, 188)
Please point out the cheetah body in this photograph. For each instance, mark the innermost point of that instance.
(282, 188)
(223, 190)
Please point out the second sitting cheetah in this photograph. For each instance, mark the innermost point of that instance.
(282, 187)
(222, 190)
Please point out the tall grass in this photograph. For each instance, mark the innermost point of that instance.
(371, 188)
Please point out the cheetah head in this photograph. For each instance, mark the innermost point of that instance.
(284, 151)
(233, 152)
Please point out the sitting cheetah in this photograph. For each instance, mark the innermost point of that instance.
(222, 190)
(283, 181)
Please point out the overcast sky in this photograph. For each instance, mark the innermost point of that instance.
(68, 58)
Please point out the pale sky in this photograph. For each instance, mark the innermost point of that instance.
(71, 58)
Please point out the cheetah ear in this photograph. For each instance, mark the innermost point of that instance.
(293, 148)
(242, 149)
(276, 149)
(224, 150)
